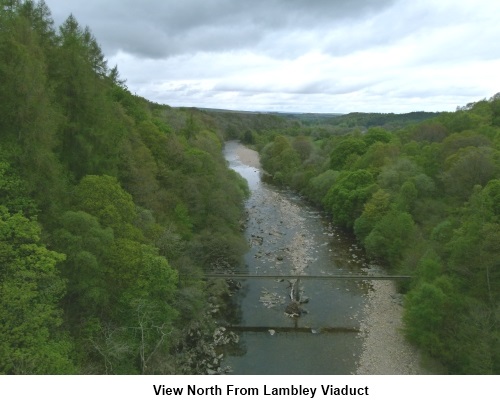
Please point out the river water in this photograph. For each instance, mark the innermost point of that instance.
(288, 236)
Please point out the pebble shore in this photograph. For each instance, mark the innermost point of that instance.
(385, 350)
(248, 156)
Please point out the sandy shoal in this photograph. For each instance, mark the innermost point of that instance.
(248, 156)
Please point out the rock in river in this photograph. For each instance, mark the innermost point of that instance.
(293, 309)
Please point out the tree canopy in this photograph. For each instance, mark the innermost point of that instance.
(111, 208)
(423, 200)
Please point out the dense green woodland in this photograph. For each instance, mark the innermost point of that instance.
(111, 207)
(425, 201)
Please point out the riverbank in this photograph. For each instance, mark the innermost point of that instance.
(385, 350)
(248, 156)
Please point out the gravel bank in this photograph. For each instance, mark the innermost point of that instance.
(248, 156)
(385, 351)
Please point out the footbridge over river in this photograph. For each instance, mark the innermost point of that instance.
(339, 276)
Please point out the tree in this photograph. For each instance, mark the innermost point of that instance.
(280, 159)
(91, 134)
(302, 146)
(85, 243)
(40, 18)
(391, 236)
(103, 197)
(373, 211)
(429, 132)
(79, 151)
(429, 310)
(13, 192)
(30, 290)
(474, 255)
(469, 167)
(377, 156)
(407, 195)
(347, 149)
(248, 137)
(376, 134)
(318, 186)
(346, 198)
(27, 116)
(393, 176)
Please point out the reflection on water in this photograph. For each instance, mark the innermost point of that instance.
(287, 236)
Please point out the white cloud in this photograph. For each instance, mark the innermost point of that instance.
(300, 55)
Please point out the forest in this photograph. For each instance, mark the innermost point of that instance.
(424, 201)
(112, 207)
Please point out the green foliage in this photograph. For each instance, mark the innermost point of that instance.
(103, 197)
(375, 134)
(118, 185)
(248, 137)
(428, 306)
(491, 198)
(467, 168)
(391, 236)
(429, 132)
(473, 247)
(183, 219)
(347, 196)
(339, 124)
(13, 192)
(407, 196)
(425, 201)
(377, 156)
(393, 176)
(85, 244)
(430, 267)
(280, 158)
(457, 122)
(347, 150)
(30, 290)
(302, 146)
(318, 186)
(373, 211)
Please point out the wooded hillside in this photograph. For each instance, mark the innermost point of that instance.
(110, 209)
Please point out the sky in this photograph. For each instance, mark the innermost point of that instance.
(323, 56)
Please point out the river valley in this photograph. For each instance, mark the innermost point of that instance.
(345, 326)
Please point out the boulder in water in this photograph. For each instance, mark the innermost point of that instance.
(293, 309)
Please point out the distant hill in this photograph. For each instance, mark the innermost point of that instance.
(367, 120)
(235, 123)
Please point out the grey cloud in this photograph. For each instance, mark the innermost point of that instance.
(298, 54)
(333, 87)
(158, 29)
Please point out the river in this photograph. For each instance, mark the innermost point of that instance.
(347, 326)
(288, 236)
